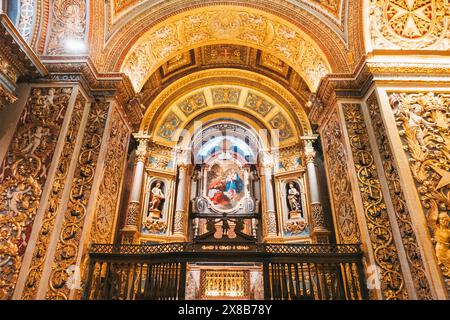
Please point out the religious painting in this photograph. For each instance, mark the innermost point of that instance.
(225, 185)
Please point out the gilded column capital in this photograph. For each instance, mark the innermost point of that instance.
(310, 156)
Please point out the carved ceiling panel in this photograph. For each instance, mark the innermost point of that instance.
(224, 55)
(410, 24)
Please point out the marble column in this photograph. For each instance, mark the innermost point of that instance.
(134, 205)
(270, 202)
(178, 228)
(320, 229)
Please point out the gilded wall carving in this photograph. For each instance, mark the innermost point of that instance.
(280, 123)
(258, 104)
(69, 239)
(23, 174)
(68, 26)
(54, 202)
(230, 24)
(102, 230)
(402, 213)
(340, 185)
(423, 122)
(410, 24)
(377, 219)
(226, 95)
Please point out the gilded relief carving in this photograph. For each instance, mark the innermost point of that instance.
(340, 185)
(54, 202)
(23, 174)
(423, 123)
(109, 193)
(169, 126)
(193, 103)
(398, 199)
(377, 219)
(410, 24)
(69, 239)
(203, 27)
(280, 123)
(68, 25)
(258, 104)
(226, 95)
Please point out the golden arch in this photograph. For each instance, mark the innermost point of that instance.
(250, 81)
(226, 24)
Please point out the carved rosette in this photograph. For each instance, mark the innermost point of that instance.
(340, 186)
(377, 219)
(423, 123)
(54, 202)
(23, 174)
(69, 239)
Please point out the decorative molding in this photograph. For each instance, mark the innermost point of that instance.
(377, 219)
(23, 175)
(402, 214)
(66, 253)
(336, 158)
(54, 202)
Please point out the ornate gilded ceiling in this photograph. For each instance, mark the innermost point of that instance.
(220, 56)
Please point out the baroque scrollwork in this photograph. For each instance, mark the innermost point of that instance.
(54, 202)
(423, 123)
(66, 253)
(377, 219)
(23, 174)
(105, 212)
(398, 199)
(68, 25)
(341, 190)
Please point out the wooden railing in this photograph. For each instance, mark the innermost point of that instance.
(158, 271)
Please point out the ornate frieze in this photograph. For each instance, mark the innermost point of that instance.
(410, 24)
(161, 157)
(423, 122)
(66, 253)
(289, 158)
(193, 103)
(54, 202)
(68, 27)
(226, 95)
(402, 213)
(280, 123)
(23, 174)
(339, 181)
(377, 218)
(102, 230)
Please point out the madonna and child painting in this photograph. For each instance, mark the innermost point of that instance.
(225, 185)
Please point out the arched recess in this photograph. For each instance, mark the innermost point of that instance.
(179, 93)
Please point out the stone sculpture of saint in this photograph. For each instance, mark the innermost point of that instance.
(294, 198)
(157, 197)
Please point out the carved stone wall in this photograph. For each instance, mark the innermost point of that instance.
(67, 249)
(23, 175)
(377, 219)
(105, 215)
(423, 124)
(402, 214)
(346, 222)
(54, 202)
